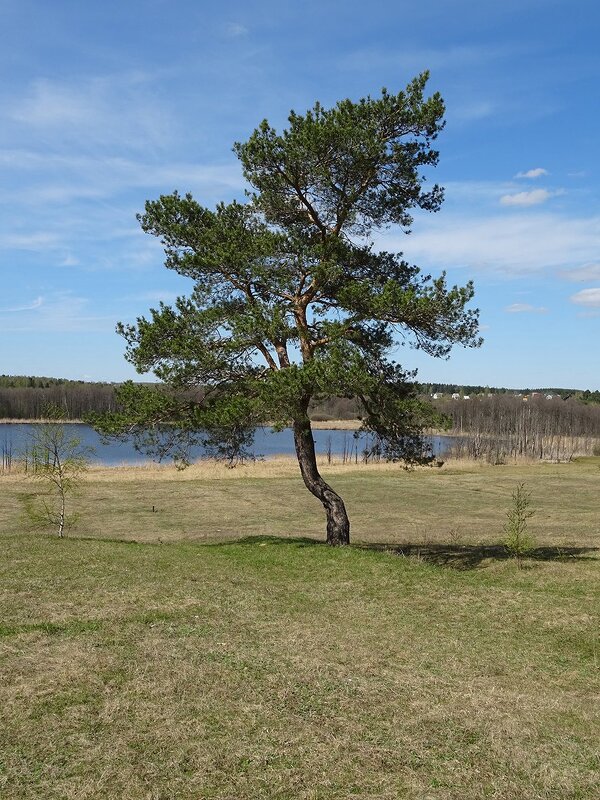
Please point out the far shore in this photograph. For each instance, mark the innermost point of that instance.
(331, 425)
(6, 421)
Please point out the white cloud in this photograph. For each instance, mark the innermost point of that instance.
(521, 308)
(587, 272)
(514, 244)
(532, 198)
(587, 297)
(532, 173)
(476, 192)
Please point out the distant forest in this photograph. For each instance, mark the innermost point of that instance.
(26, 397)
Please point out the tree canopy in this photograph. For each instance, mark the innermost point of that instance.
(290, 299)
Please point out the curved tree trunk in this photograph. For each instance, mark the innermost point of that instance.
(338, 524)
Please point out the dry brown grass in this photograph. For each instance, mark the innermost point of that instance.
(461, 502)
(336, 424)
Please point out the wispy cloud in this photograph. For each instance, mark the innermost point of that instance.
(471, 112)
(235, 29)
(64, 178)
(416, 59)
(158, 296)
(532, 198)
(35, 242)
(476, 192)
(69, 260)
(587, 297)
(105, 110)
(525, 308)
(79, 210)
(17, 309)
(532, 173)
(61, 311)
(585, 273)
(592, 313)
(515, 244)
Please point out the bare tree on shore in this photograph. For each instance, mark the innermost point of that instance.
(504, 427)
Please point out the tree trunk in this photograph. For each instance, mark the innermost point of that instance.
(61, 514)
(338, 524)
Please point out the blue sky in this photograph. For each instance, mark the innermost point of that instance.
(105, 105)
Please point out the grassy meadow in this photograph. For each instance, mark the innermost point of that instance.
(214, 648)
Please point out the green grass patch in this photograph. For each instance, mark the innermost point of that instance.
(272, 666)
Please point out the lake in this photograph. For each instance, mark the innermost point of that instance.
(14, 438)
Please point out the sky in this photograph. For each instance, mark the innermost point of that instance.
(106, 105)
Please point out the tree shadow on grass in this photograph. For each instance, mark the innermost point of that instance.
(454, 556)
(264, 539)
(462, 557)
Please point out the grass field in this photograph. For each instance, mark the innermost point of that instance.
(213, 648)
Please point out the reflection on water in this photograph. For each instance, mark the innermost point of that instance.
(14, 437)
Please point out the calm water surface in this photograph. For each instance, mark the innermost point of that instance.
(15, 437)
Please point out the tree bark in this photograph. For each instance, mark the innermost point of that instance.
(61, 513)
(338, 524)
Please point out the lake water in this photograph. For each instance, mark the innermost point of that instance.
(14, 438)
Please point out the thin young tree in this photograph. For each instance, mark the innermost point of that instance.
(57, 460)
(290, 300)
(518, 541)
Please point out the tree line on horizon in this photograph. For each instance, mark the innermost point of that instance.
(76, 399)
(26, 397)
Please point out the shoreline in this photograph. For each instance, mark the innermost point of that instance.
(328, 425)
(33, 421)
(317, 425)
